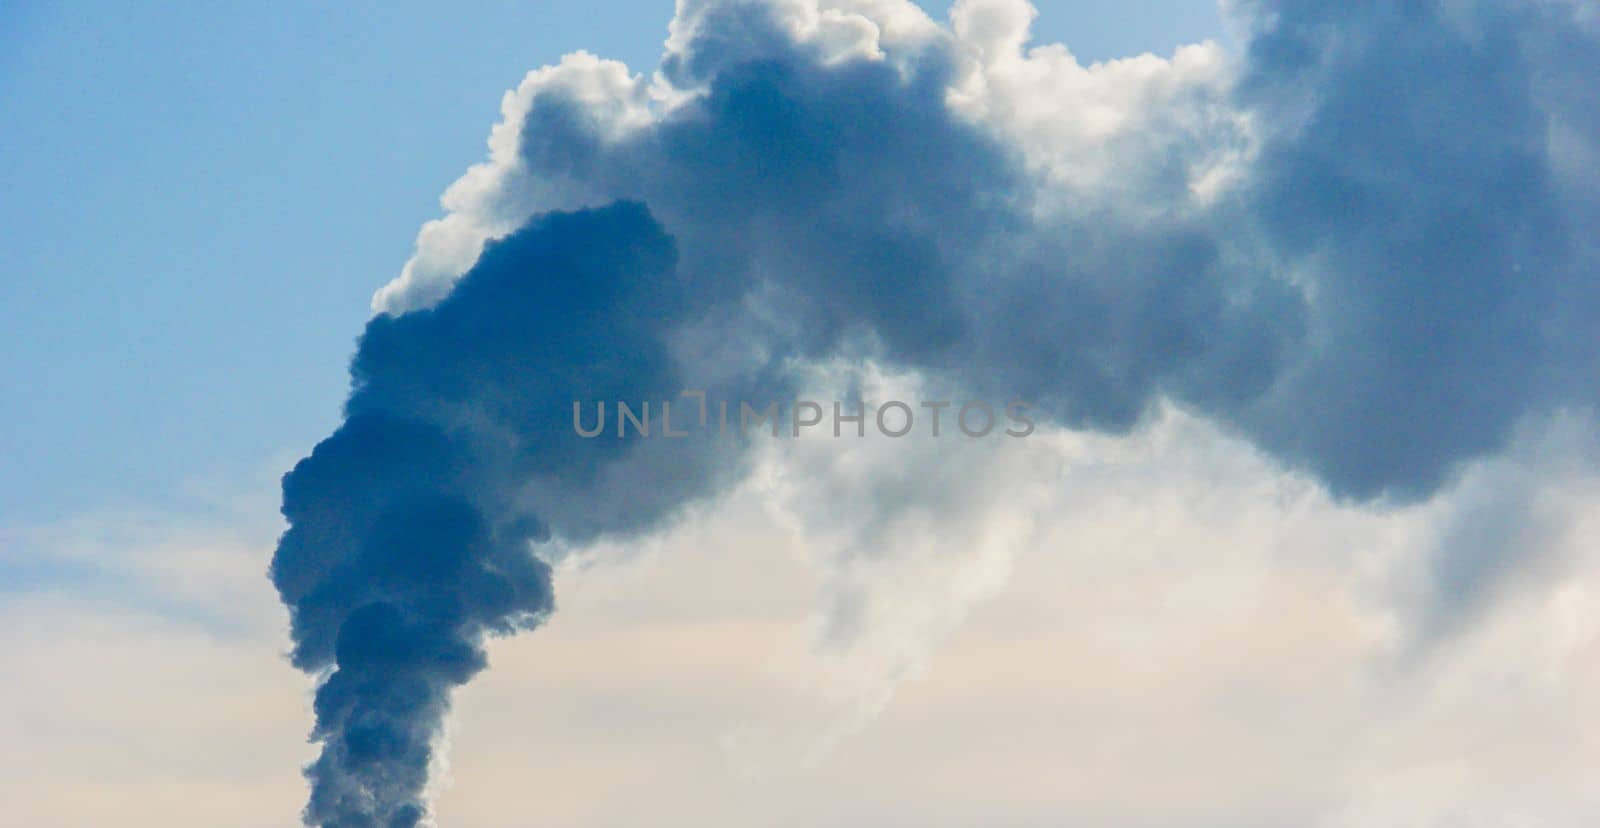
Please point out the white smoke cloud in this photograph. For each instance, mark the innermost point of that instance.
(1139, 131)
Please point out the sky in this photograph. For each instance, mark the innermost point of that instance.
(1304, 301)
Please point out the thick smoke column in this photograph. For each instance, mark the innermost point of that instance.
(410, 533)
(1388, 277)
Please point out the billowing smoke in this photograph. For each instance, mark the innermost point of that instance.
(1362, 245)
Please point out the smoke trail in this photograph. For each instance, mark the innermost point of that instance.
(410, 527)
(1378, 285)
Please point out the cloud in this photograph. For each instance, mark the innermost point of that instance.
(143, 683)
(1187, 635)
(1350, 246)
(1406, 170)
(1373, 279)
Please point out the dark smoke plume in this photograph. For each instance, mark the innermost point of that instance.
(410, 539)
(1401, 273)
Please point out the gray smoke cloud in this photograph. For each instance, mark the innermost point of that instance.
(1392, 275)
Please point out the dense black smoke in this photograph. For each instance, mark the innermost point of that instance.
(1397, 278)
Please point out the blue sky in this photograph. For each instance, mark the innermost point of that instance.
(200, 200)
